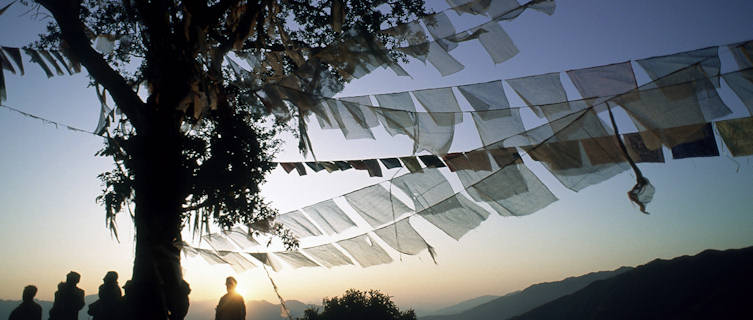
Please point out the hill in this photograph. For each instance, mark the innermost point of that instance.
(711, 285)
(522, 301)
(462, 306)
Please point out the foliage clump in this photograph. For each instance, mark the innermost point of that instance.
(356, 304)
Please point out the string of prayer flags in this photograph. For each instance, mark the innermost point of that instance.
(456, 161)
(376, 205)
(390, 163)
(741, 82)
(411, 163)
(298, 224)
(296, 259)
(241, 238)
(287, 166)
(300, 168)
(328, 256)
(402, 237)
(426, 188)
(431, 161)
(237, 261)
(15, 54)
(486, 95)
(316, 166)
(455, 216)
(743, 54)
(737, 134)
(703, 146)
(662, 68)
(538, 90)
(399, 119)
(218, 241)
(210, 256)
(479, 160)
(36, 58)
(329, 217)
(3, 93)
(342, 165)
(267, 260)
(350, 118)
(604, 81)
(496, 42)
(365, 251)
(372, 166)
(638, 151)
(689, 103)
(329, 166)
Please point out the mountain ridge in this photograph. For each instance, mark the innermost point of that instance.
(524, 300)
(712, 284)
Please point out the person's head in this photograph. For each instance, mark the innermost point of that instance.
(111, 276)
(127, 286)
(29, 293)
(72, 278)
(230, 283)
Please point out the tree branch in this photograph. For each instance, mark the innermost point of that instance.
(72, 32)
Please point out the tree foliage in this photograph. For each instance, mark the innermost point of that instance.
(356, 304)
(192, 138)
(215, 116)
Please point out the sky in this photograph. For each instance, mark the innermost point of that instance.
(50, 223)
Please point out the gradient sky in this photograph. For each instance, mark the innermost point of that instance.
(50, 223)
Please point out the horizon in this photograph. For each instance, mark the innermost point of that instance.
(51, 224)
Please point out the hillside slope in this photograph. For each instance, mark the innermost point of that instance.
(711, 285)
(519, 302)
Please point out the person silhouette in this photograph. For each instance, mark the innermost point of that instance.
(69, 299)
(28, 309)
(231, 306)
(109, 305)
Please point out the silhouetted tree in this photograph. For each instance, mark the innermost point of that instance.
(356, 304)
(200, 143)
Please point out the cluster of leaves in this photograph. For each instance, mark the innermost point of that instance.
(177, 48)
(356, 304)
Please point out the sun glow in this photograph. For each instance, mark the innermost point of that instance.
(243, 291)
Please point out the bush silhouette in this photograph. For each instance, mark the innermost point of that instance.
(356, 304)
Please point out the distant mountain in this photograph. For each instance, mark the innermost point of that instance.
(255, 310)
(462, 306)
(711, 285)
(522, 301)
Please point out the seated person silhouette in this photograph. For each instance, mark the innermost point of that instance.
(110, 303)
(28, 309)
(69, 299)
(231, 306)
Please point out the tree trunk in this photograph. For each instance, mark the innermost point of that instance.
(158, 290)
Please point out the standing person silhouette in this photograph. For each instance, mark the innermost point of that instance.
(231, 306)
(109, 305)
(69, 299)
(28, 309)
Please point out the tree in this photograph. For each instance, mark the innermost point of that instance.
(200, 144)
(356, 304)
